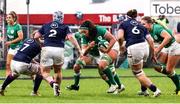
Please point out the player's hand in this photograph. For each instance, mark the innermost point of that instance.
(92, 44)
(8, 43)
(80, 53)
(156, 51)
(154, 58)
(104, 50)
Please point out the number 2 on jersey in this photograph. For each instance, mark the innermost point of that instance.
(52, 33)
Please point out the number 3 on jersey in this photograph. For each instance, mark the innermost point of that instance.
(52, 33)
(135, 30)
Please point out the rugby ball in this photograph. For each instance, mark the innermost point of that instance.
(103, 44)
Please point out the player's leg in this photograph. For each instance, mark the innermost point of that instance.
(116, 78)
(137, 54)
(144, 80)
(46, 63)
(35, 71)
(80, 63)
(10, 55)
(8, 62)
(170, 70)
(121, 87)
(11, 77)
(103, 64)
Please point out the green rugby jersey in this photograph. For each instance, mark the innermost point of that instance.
(156, 34)
(12, 33)
(101, 31)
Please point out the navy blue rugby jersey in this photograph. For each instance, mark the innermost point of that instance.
(134, 32)
(54, 34)
(27, 51)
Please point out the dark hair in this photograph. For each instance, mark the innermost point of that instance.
(178, 27)
(88, 24)
(148, 19)
(132, 13)
(14, 15)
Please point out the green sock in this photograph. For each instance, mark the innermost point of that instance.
(175, 79)
(108, 82)
(76, 79)
(109, 74)
(116, 78)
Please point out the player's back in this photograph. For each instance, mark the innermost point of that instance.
(54, 34)
(27, 51)
(134, 32)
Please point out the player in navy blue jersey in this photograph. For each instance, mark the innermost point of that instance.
(52, 54)
(23, 63)
(136, 36)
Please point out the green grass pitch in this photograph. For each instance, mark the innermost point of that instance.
(92, 89)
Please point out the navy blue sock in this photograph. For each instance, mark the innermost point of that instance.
(37, 82)
(51, 83)
(143, 88)
(7, 81)
(152, 87)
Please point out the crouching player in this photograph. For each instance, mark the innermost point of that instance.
(22, 64)
(91, 35)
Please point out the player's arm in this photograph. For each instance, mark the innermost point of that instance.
(87, 47)
(111, 39)
(37, 35)
(167, 38)
(152, 48)
(120, 36)
(74, 41)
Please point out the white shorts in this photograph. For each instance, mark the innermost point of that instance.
(116, 47)
(137, 53)
(173, 50)
(24, 68)
(13, 51)
(52, 56)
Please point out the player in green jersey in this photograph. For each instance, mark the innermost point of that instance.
(14, 38)
(168, 50)
(91, 35)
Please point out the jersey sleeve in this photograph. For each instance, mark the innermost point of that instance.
(159, 29)
(77, 35)
(19, 28)
(146, 32)
(101, 30)
(121, 26)
(67, 30)
(41, 30)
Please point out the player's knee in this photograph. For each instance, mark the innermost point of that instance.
(101, 66)
(80, 63)
(107, 59)
(138, 72)
(76, 68)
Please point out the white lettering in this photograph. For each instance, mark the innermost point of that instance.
(104, 18)
(115, 19)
